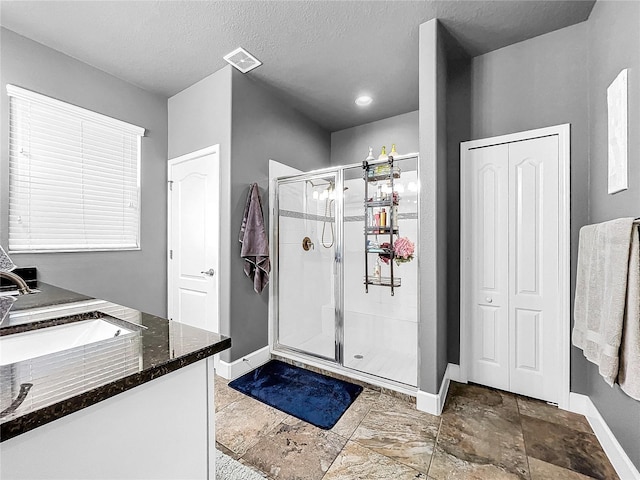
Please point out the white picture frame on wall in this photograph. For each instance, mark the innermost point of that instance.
(617, 134)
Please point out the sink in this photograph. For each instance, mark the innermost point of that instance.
(44, 341)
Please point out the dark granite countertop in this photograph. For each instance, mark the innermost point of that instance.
(145, 347)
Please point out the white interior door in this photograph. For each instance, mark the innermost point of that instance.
(489, 196)
(512, 293)
(193, 239)
(533, 267)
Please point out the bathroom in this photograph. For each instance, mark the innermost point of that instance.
(480, 96)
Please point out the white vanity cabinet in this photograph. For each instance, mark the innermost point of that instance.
(162, 429)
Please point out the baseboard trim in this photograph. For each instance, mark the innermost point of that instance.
(454, 373)
(434, 403)
(233, 370)
(623, 465)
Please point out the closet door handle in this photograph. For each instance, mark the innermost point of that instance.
(489, 300)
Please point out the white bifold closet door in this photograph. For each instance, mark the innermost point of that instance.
(512, 223)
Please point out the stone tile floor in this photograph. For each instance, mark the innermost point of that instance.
(481, 434)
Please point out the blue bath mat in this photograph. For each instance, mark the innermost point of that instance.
(309, 396)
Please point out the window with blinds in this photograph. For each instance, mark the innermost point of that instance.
(74, 177)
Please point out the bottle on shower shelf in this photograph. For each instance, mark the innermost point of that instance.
(377, 271)
(393, 152)
(383, 168)
(383, 218)
(370, 157)
(383, 154)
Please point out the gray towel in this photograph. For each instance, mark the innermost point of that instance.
(601, 293)
(255, 245)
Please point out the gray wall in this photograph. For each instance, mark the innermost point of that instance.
(458, 130)
(200, 116)
(263, 128)
(135, 278)
(442, 210)
(613, 44)
(538, 83)
(432, 250)
(351, 145)
(252, 126)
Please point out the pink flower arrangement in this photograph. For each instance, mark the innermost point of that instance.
(403, 249)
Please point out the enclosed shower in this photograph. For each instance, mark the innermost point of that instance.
(322, 314)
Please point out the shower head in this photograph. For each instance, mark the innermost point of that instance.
(332, 186)
(328, 192)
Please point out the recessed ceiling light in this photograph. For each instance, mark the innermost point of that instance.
(242, 60)
(363, 100)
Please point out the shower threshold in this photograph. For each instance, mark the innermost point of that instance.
(344, 372)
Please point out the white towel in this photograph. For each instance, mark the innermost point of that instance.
(629, 373)
(601, 291)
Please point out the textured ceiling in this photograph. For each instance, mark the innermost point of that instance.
(317, 55)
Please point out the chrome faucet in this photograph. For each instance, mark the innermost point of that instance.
(24, 391)
(6, 265)
(23, 288)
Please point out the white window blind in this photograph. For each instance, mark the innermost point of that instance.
(74, 177)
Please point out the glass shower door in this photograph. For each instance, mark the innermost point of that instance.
(307, 282)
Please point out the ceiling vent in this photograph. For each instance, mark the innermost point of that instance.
(242, 60)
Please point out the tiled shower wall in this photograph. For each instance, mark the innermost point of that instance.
(378, 326)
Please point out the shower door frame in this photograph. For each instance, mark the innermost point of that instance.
(338, 364)
(337, 263)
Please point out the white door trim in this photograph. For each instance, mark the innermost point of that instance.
(172, 162)
(197, 154)
(564, 246)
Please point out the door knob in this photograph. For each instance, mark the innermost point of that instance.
(489, 300)
(211, 272)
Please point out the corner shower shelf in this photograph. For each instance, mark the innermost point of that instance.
(380, 203)
(380, 250)
(375, 172)
(383, 281)
(373, 176)
(375, 230)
